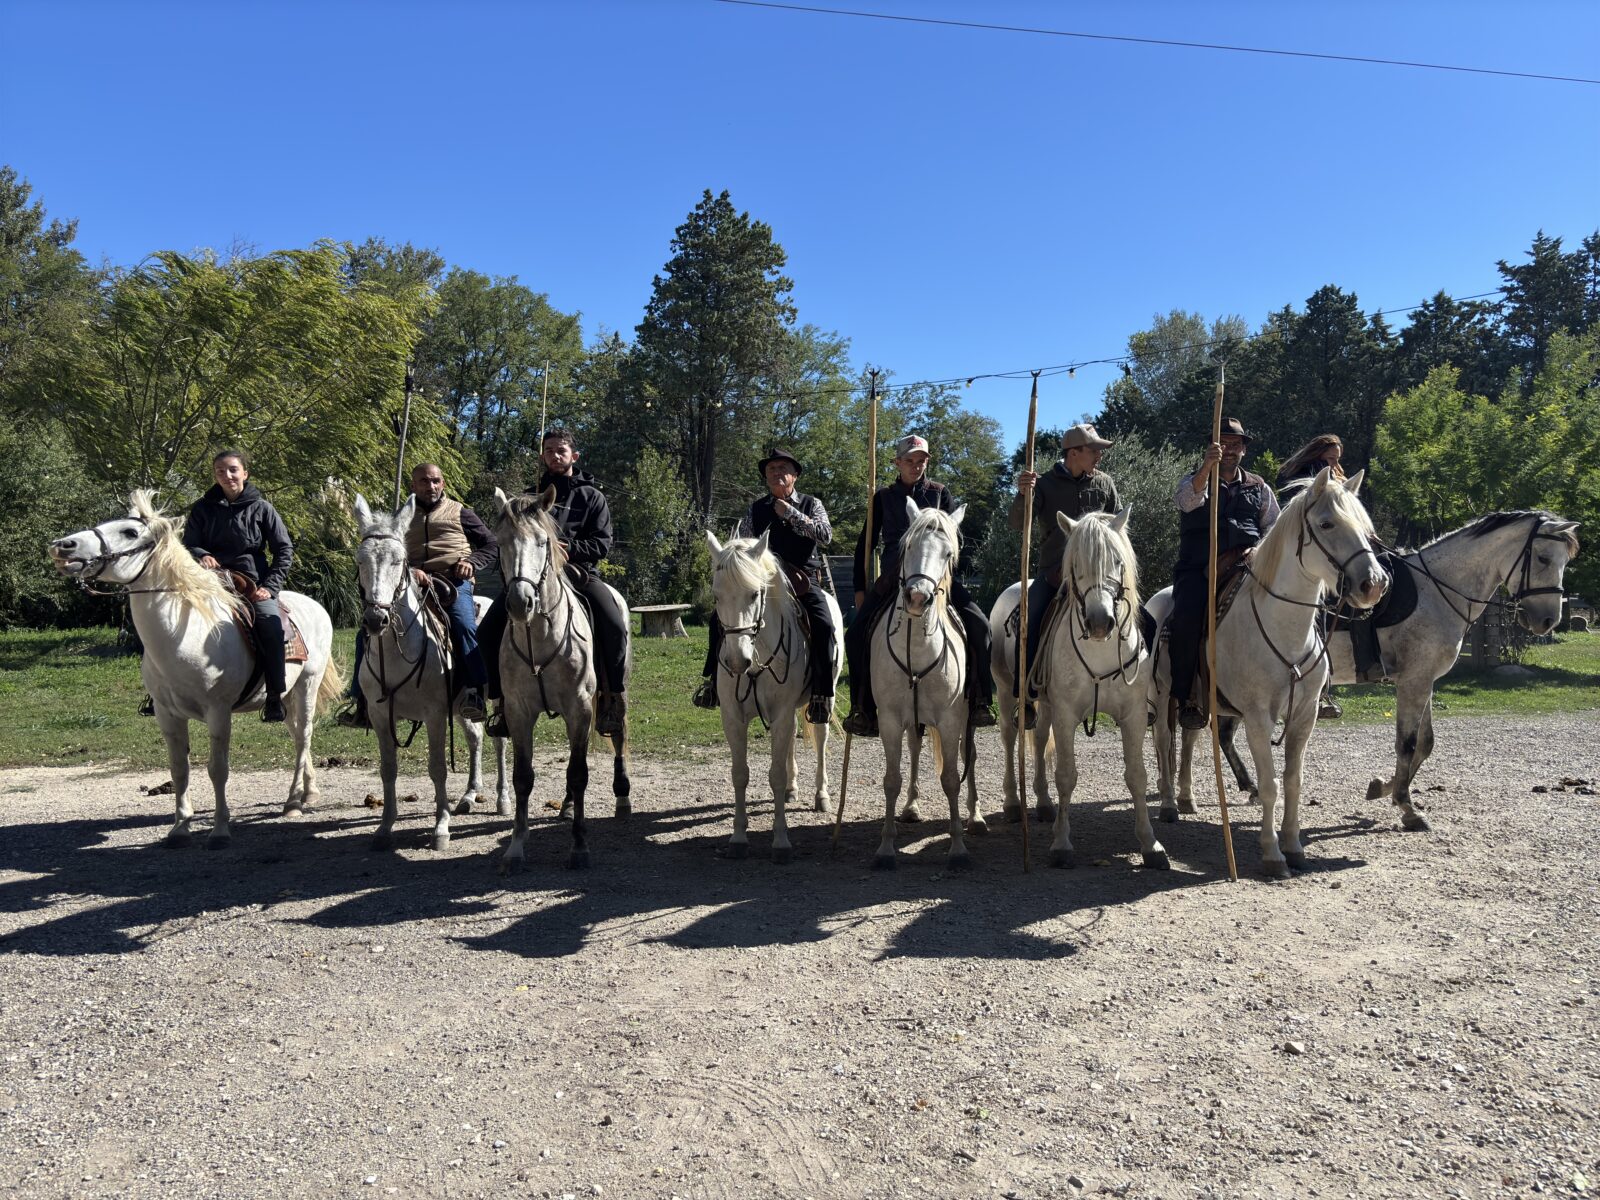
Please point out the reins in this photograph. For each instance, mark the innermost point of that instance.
(753, 676)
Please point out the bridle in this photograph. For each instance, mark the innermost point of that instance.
(95, 567)
(560, 648)
(752, 676)
(929, 622)
(1513, 604)
(1114, 587)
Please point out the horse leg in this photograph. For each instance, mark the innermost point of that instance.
(175, 730)
(1413, 742)
(1044, 806)
(1227, 730)
(502, 797)
(969, 748)
(1259, 735)
(1133, 774)
(1061, 853)
(621, 785)
(885, 857)
(300, 706)
(439, 772)
(947, 756)
(522, 777)
(1166, 756)
(578, 726)
(1186, 770)
(1012, 805)
(220, 726)
(1296, 734)
(911, 811)
(473, 732)
(737, 734)
(388, 768)
(781, 777)
(822, 800)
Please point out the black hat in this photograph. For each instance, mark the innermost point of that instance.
(774, 455)
(1232, 426)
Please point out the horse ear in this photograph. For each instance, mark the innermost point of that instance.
(406, 512)
(1065, 523)
(911, 509)
(1320, 483)
(500, 502)
(547, 498)
(761, 544)
(711, 540)
(362, 512)
(1120, 521)
(1353, 484)
(959, 515)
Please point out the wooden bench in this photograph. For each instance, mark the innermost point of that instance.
(662, 620)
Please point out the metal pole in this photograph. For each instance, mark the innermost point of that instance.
(866, 582)
(405, 427)
(1214, 501)
(1022, 631)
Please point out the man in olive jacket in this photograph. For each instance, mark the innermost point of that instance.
(1074, 486)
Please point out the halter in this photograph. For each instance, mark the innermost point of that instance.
(563, 647)
(106, 557)
(1117, 590)
(1308, 528)
(913, 677)
(753, 675)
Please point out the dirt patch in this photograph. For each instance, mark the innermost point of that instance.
(1413, 1015)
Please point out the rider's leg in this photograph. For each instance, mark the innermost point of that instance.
(980, 675)
(863, 719)
(1187, 626)
(705, 696)
(822, 673)
(464, 634)
(269, 644)
(611, 653)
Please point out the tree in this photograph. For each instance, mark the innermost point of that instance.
(711, 335)
(1455, 333)
(1152, 398)
(396, 270)
(1551, 292)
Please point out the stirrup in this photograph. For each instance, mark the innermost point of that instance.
(496, 726)
(861, 724)
(980, 715)
(147, 706)
(613, 709)
(472, 704)
(353, 716)
(272, 711)
(1192, 716)
(705, 696)
(1327, 710)
(820, 710)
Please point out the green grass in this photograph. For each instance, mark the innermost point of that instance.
(71, 697)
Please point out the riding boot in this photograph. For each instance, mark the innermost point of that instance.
(613, 714)
(269, 645)
(1327, 710)
(496, 726)
(705, 696)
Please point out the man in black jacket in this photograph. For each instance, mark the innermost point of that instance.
(233, 527)
(890, 520)
(582, 514)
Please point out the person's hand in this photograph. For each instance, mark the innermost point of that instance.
(1026, 480)
(463, 570)
(1213, 456)
(210, 563)
(861, 601)
(781, 506)
(260, 594)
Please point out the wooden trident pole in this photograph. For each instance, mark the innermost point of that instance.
(1214, 503)
(1022, 631)
(544, 406)
(864, 584)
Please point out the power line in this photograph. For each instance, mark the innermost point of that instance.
(1144, 41)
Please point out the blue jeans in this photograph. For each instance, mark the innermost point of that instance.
(463, 636)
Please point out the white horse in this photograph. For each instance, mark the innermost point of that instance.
(403, 673)
(919, 677)
(1456, 577)
(1271, 661)
(197, 661)
(763, 672)
(547, 665)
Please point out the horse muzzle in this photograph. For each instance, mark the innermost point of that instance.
(916, 600)
(63, 556)
(374, 618)
(1371, 589)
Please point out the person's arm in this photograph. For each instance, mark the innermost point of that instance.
(1113, 501)
(194, 533)
(592, 542)
(812, 522)
(1186, 497)
(1270, 511)
(485, 549)
(279, 549)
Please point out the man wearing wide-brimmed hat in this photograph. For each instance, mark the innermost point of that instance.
(797, 531)
(1074, 486)
(1247, 510)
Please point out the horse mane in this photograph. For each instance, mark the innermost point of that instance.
(526, 514)
(1490, 522)
(192, 584)
(749, 571)
(1092, 547)
(1272, 547)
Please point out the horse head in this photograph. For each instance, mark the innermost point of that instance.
(381, 560)
(1535, 582)
(531, 558)
(743, 576)
(928, 555)
(1335, 540)
(115, 552)
(1100, 571)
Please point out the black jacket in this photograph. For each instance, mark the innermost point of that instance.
(890, 522)
(241, 534)
(583, 516)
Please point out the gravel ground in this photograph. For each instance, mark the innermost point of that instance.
(1415, 1015)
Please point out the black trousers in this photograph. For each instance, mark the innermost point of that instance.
(857, 648)
(821, 650)
(269, 644)
(1187, 626)
(610, 635)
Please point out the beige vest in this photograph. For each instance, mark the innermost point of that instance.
(436, 542)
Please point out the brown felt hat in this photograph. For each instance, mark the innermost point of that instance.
(1232, 426)
(776, 453)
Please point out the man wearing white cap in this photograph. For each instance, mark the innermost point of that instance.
(890, 520)
(1074, 486)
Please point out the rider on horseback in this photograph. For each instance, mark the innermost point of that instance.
(446, 540)
(798, 529)
(890, 520)
(233, 528)
(583, 515)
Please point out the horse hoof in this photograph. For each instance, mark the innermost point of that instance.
(911, 816)
(381, 841)
(736, 850)
(1376, 790)
(578, 861)
(624, 807)
(1187, 807)
(218, 843)
(441, 841)
(820, 804)
(1063, 859)
(1296, 862)
(884, 862)
(1045, 814)
(1275, 870)
(977, 826)
(1157, 861)
(959, 862)
(503, 808)
(1414, 822)
(1013, 815)
(292, 812)
(566, 812)
(175, 841)
(1169, 815)
(783, 855)
(509, 864)
(462, 808)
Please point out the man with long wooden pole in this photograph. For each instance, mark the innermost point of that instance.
(862, 584)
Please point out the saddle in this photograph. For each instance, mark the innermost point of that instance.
(1398, 603)
(244, 617)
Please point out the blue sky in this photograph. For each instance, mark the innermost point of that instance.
(955, 201)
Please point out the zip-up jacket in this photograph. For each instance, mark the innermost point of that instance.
(245, 535)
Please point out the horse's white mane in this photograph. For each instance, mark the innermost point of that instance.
(934, 519)
(1094, 547)
(525, 514)
(746, 569)
(1286, 529)
(171, 562)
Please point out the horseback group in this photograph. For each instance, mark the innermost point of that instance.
(221, 635)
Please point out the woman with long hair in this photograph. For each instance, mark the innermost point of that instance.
(1324, 450)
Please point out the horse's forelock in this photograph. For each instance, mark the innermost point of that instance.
(1270, 551)
(747, 569)
(1094, 545)
(525, 514)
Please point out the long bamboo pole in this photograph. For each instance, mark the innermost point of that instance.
(544, 407)
(865, 583)
(1022, 631)
(1214, 502)
(405, 428)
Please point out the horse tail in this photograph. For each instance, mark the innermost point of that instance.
(331, 687)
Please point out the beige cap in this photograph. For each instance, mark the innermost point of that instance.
(1082, 435)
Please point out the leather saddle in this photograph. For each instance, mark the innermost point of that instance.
(244, 616)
